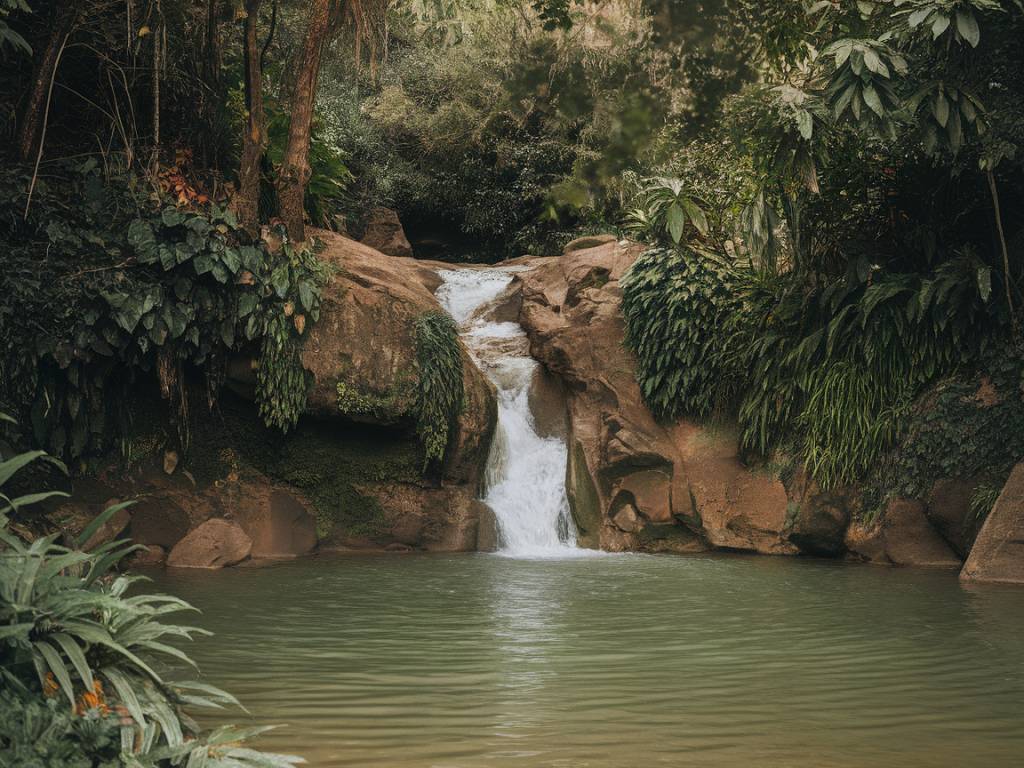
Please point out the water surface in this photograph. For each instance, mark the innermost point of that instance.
(633, 660)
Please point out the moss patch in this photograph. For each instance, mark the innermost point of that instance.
(326, 461)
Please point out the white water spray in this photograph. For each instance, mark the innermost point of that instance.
(525, 472)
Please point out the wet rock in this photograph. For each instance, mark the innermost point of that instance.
(217, 543)
(171, 459)
(384, 232)
(998, 551)
(547, 405)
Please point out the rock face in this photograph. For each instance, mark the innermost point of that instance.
(279, 524)
(384, 233)
(634, 483)
(949, 510)
(903, 536)
(214, 544)
(998, 552)
(364, 342)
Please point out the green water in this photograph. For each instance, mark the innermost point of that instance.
(479, 660)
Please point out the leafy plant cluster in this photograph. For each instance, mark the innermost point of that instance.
(108, 281)
(439, 390)
(82, 659)
(827, 373)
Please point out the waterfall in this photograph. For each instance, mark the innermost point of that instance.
(525, 477)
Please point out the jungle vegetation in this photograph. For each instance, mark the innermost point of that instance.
(832, 192)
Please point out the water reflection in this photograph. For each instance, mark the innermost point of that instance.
(481, 660)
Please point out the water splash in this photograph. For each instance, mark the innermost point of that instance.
(525, 475)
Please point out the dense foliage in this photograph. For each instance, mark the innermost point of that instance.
(860, 247)
(85, 658)
(107, 280)
(439, 390)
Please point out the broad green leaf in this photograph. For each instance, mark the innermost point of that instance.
(967, 26)
(675, 222)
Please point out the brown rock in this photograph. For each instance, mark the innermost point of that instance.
(165, 517)
(547, 405)
(217, 543)
(949, 510)
(739, 508)
(903, 536)
(364, 340)
(385, 233)
(110, 530)
(627, 519)
(149, 557)
(818, 523)
(278, 522)
(588, 241)
(998, 552)
(911, 540)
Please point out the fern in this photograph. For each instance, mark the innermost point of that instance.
(439, 397)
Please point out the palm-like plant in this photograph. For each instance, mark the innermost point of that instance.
(69, 629)
(664, 206)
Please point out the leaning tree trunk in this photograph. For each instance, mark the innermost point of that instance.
(32, 119)
(994, 191)
(247, 200)
(295, 171)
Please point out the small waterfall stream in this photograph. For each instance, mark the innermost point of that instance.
(525, 480)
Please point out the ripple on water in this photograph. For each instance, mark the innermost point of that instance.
(474, 660)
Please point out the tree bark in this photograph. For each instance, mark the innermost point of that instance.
(32, 119)
(295, 171)
(994, 191)
(247, 200)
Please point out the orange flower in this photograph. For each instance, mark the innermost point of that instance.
(93, 701)
(50, 687)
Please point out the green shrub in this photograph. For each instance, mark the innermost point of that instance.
(439, 394)
(79, 660)
(135, 284)
(674, 302)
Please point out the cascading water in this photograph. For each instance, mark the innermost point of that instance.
(525, 472)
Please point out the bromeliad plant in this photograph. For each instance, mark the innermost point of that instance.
(82, 661)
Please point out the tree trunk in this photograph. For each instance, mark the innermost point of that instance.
(247, 200)
(994, 191)
(32, 120)
(295, 171)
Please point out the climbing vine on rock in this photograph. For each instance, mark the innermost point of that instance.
(439, 397)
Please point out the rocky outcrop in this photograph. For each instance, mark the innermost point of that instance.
(350, 475)
(362, 351)
(902, 536)
(217, 543)
(949, 510)
(384, 232)
(998, 552)
(634, 483)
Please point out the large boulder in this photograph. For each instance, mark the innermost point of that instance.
(634, 484)
(276, 519)
(164, 516)
(998, 552)
(902, 536)
(949, 510)
(217, 543)
(364, 344)
(384, 232)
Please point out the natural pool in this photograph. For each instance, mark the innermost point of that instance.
(629, 660)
